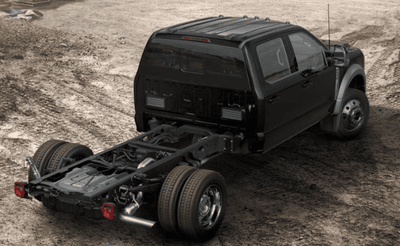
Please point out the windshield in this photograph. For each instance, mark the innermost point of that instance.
(195, 57)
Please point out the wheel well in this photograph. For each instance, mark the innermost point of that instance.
(358, 83)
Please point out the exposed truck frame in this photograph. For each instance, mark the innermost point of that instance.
(190, 115)
(187, 145)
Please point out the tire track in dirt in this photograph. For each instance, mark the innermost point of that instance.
(51, 115)
(109, 111)
(372, 73)
(361, 44)
(85, 130)
(29, 99)
(8, 102)
(89, 90)
(394, 92)
(80, 134)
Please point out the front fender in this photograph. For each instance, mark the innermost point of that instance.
(352, 72)
(331, 122)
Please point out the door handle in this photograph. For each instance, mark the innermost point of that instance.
(273, 99)
(307, 84)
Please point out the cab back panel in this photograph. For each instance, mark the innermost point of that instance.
(193, 82)
(191, 103)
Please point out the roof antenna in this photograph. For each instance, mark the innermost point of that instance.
(329, 30)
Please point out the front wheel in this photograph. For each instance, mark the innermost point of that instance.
(202, 205)
(354, 114)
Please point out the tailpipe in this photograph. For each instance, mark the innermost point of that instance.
(127, 212)
(137, 221)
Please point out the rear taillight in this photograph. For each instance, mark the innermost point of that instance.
(108, 210)
(19, 189)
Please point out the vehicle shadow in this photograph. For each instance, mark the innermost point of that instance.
(311, 172)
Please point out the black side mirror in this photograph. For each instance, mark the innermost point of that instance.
(331, 61)
(341, 61)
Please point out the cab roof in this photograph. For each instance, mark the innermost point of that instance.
(228, 28)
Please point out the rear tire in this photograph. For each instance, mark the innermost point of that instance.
(69, 150)
(202, 205)
(169, 197)
(41, 158)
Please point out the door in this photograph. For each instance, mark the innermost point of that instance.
(318, 89)
(281, 90)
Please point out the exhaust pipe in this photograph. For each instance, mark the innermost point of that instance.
(130, 209)
(137, 221)
(146, 162)
(126, 215)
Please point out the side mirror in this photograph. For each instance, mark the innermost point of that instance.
(331, 61)
(341, 61)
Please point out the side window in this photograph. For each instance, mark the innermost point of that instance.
(273, 59)
(309, 54)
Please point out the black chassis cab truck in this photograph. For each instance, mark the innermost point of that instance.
(204, 87)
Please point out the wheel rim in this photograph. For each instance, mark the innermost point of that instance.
(210, 206)
(352, 115)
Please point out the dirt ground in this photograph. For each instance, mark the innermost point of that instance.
(69, 76)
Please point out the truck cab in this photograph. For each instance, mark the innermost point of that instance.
(265, 80)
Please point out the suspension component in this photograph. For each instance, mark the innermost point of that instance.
(34, 169)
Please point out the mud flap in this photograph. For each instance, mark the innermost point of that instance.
(330, 123)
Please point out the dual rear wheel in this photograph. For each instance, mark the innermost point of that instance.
(192, 202)
(52, 155)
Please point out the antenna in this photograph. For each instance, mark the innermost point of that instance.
(329, 29)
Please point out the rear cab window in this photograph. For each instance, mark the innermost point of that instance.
(195, 57)
(198, 62)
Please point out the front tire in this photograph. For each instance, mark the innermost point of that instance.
(202, 205)
(353, 115)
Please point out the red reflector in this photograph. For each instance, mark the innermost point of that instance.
(108, 210)
(196, 39)
(19, 189)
